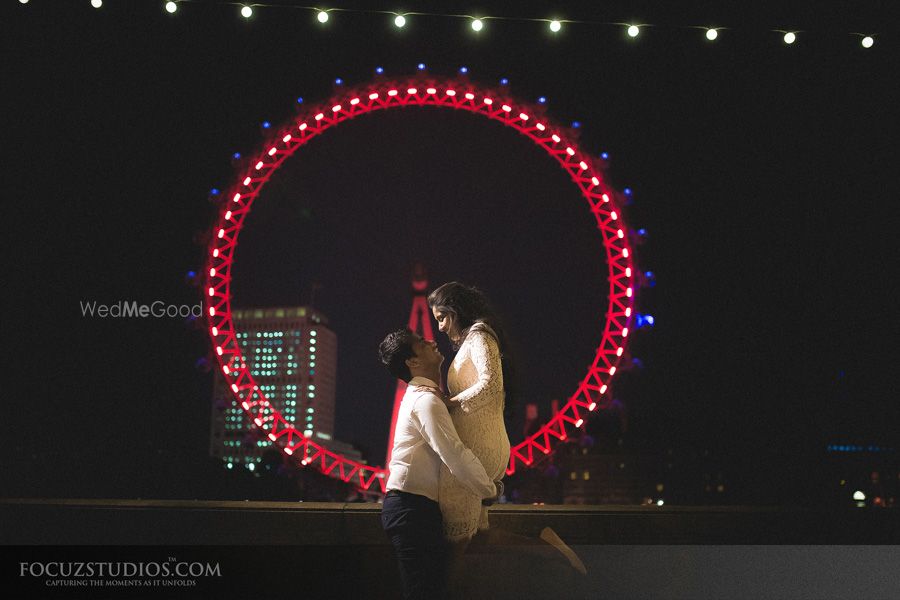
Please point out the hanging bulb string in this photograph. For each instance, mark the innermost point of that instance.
(247, 9)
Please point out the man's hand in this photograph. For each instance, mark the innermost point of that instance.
(489, 501)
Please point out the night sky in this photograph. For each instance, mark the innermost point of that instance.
(765, 175)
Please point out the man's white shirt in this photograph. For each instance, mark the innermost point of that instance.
(424, 437)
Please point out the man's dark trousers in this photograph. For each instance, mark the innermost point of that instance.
(413, 525)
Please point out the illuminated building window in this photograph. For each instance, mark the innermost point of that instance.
(573, 475)
(587, 475)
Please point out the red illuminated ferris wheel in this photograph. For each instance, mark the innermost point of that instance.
(497, 104)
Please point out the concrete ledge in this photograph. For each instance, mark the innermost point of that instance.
(27, 521)
(323, 550)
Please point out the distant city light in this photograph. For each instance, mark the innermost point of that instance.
(660, 502)
(858, 495)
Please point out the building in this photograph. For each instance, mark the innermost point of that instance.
(292, 355)
(860, 474)
(592, 477)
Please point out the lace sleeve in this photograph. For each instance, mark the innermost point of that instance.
(485, 355)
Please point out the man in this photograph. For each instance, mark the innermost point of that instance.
(424, 437)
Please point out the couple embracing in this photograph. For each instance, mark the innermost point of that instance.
(450, 450)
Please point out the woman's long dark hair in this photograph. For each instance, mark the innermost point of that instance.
(468, 304)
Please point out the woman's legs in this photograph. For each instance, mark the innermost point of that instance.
(548, 546)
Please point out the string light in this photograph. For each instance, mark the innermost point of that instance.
(23, 1)
(477, 23)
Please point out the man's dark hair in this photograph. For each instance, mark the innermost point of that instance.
(395, 350)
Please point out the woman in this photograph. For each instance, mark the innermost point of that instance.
(477, 399)
(478, 396)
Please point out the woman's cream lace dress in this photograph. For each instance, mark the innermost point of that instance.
(475, 382)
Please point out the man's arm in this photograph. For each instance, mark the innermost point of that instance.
(435, 425)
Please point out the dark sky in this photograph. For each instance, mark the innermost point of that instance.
(764, 174)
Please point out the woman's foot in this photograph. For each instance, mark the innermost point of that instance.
(549, 536)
